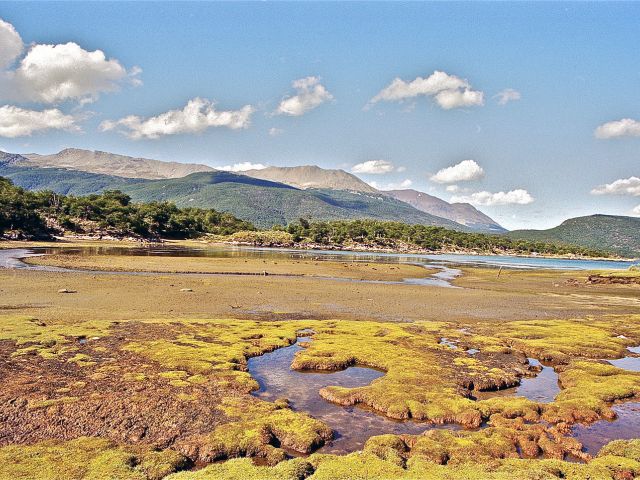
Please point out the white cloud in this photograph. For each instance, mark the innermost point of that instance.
(636, 211)
(310, 93)
(507, 95)
(243, 167)
(464, 171)
(452, 188)
(373, 167)
(623, 186)
(274, 132)
(198, 115)
(627, 127)
(392, 186)
(513, 197)
(18, 122)
(10, 43)
(448, 91)
(57, 73)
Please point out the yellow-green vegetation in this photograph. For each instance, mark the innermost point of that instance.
(86, 459)
(196, 348)
(618, 460)
(559, 340)
(589, 388)
(48, 338)
(256, 426)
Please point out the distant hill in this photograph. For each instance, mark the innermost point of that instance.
(112, 164)
(311, 176)
(261, 202)
(615, 233)
(463, 213)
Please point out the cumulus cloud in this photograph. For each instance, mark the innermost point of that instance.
(392, 186)
(464, 171)
(198, 115)
(452, 188)
(627, 127)
(10, 44)
(19, 122)
(622, 186)
(310, 93)
(489, 199)
(243, 167)
(57, 73)
(636, 211)
(448, 91)
(274, 132)
(507, 95)
(375, 167)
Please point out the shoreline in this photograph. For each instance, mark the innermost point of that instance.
(137, 243)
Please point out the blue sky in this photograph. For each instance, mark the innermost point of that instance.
(574, 66)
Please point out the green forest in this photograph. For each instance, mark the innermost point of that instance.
(28, 214)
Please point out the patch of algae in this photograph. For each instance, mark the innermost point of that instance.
(257, 427)
(220, 348)
(47, 339)
(618, 460)
(589, 388)
(87, 459)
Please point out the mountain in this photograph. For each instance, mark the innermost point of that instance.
(615, 233)
(112, 164)
(262, 202)
(463, 213)
(311, 176)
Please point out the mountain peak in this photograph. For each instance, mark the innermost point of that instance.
(114, 164)
(313, 176)
(463, 213)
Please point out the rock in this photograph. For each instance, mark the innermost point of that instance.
(186, 290)
(64, 290)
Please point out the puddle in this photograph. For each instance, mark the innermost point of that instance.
(449, 343)
(627, 426)
(628, 363)
(542, 388)
(352, 426)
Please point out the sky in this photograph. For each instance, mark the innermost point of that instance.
(530, 111)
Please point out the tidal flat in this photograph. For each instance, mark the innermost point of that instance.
(154, 376)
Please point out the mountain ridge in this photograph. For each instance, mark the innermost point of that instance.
(95, 161)
(617, 233)
(312, 176)
(463, 213)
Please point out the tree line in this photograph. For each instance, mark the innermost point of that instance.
(42, 214)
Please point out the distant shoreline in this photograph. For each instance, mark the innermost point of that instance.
(78, 241)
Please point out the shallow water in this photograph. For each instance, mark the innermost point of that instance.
(542, 388)
(598, 434)
(12, 258)
(630, 363)
(352, 425)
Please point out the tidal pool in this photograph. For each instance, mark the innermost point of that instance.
(628, 363)
(352, 426)
(542, 388)
(626, 427)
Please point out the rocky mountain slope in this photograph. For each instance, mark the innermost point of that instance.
(463, 213)
(113, 164)
(311, 176)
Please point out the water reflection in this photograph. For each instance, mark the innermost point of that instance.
(352, 425)
(626, 427)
